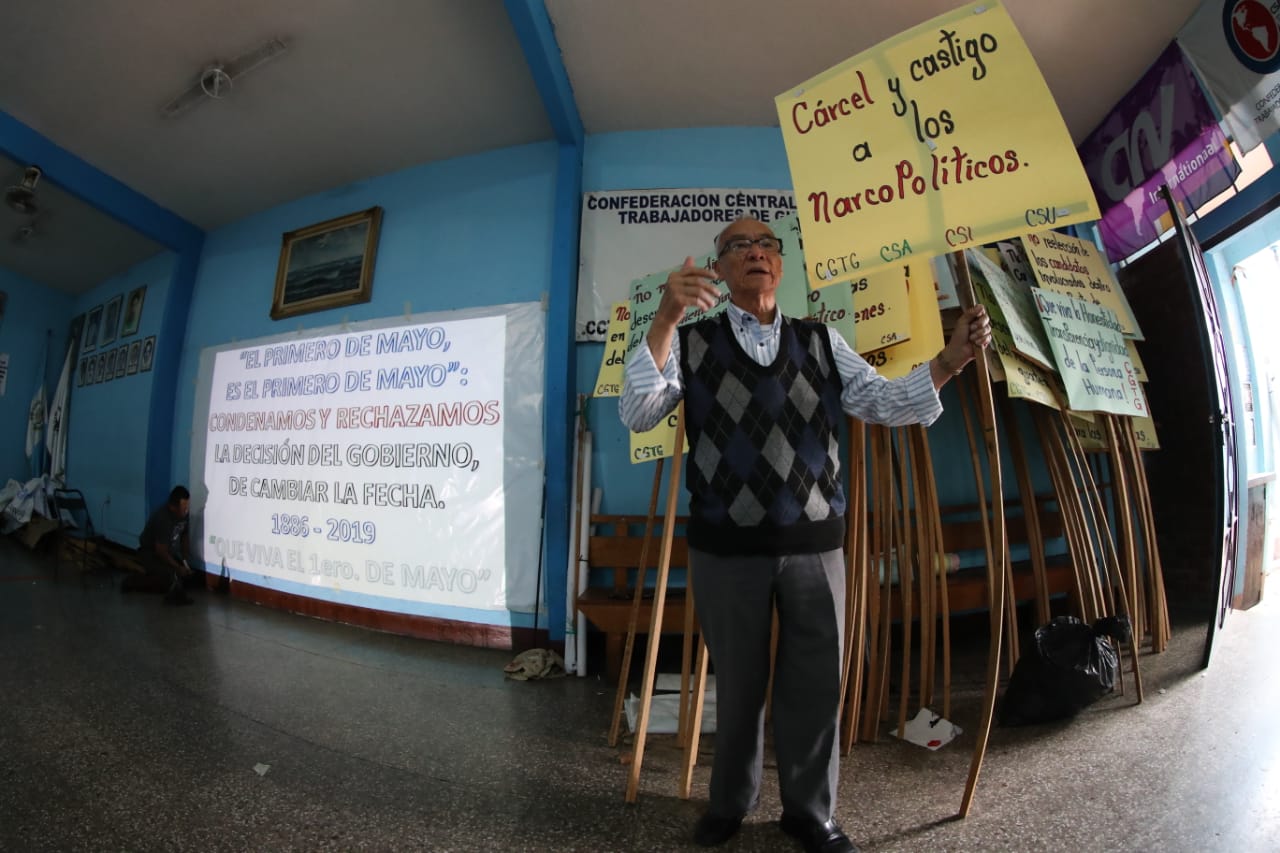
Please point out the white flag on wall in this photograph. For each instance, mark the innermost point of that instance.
(56, 435)
(35, 420)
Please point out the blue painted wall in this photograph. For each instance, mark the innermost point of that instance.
(108, 439)
(468, 232)
(35, 321)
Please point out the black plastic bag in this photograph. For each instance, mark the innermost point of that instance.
(1069, 667)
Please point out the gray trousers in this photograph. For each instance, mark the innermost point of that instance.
(735, 597)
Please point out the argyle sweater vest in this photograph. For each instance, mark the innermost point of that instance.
(763, 467)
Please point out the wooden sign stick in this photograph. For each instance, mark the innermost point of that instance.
(941, 574)
(1030, 511)
(633, 620)
(655, 618)
(855, 587)
(904, 555)
(1158, 605)
(1071, 501)
(996, 562)
(686, 664)
(1068, 498)
(694, 726)
(1097, 512)
(984, 516)
(1124, 509)
(928, 561)
(880, 580)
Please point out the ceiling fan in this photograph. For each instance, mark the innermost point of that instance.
(21, 197)
(215, 81)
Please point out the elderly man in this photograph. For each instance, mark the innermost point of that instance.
(763, 397)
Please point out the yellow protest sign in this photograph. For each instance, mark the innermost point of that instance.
(1138, 367)
(609, 378)
(926, 331)
(872, 312)
(942, 137)
(1091, 436)
(1144, 429)
(1076, 268)
(657, 443)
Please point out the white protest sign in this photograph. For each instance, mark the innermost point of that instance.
(627, 234)
(1023, 379)
(1091, 355)
(364, 463)
(1017, 309)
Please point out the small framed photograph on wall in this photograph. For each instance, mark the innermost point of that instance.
(110, 320)
(148, 353)
(109, 371)
(76, 330)
(80, 371)
(100, 372)
(135, 352)
(122, 355)
(133, 311)
(91, 324)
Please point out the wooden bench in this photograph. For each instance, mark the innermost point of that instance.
(615, 545)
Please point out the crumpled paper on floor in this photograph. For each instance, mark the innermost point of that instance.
(929, 730)
(534, 664)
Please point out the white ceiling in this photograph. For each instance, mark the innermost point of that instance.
(371, 87)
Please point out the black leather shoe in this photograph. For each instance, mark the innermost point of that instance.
(817, 837)
(713, 830)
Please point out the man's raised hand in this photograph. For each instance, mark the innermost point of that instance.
(688, 287)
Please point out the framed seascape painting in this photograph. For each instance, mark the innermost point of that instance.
(327, 265)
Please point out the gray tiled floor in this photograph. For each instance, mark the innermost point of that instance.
(126, 725)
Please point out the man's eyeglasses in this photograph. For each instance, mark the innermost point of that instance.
(742, 245)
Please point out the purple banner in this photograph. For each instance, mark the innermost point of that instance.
(1162, 132)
